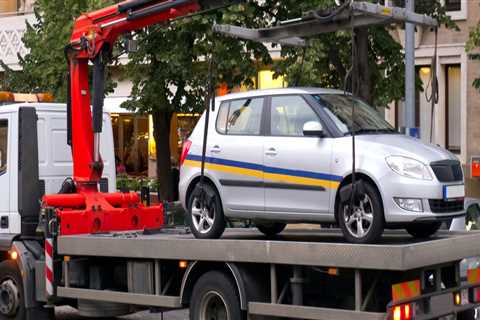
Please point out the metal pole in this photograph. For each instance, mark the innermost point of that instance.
(358, 290)
(273, 283)
(409, 107)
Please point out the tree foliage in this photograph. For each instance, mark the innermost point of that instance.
(170, 70)
(44, 67)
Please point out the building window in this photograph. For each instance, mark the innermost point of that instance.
(3, 146)
(453, 108)
(453, 5)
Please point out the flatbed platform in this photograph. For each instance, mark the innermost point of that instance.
(397, 251)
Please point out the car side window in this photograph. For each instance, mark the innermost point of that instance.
(289, 114)
(222, 118)
(240, 117)
(3, 145)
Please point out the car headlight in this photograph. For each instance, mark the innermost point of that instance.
(409, 167)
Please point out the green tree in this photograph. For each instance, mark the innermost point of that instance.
(170, 71)
(44, 67)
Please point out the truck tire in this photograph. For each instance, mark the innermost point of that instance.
(205, 217)
(271, 229)
(215, 297)
(12, 302)
(423, 230)
(366, 224)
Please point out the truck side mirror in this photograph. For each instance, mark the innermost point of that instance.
(313, 129)
(1, 160)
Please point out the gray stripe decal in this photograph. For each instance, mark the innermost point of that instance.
(271, 185)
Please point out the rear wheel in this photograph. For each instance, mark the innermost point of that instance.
(12, 302)
(365, 223)
(215, 297)
(271, 229)
(205, 213)
(423, 230)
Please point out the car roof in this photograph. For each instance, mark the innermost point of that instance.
(282, 91)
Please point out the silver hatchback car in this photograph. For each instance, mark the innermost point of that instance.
(285, 156)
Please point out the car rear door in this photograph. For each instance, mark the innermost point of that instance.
(236, 154)
(297, 168)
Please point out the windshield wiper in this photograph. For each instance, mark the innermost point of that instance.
(372, 130)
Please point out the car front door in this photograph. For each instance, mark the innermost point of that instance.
(236, 155)
(4, 174)
(297, 167)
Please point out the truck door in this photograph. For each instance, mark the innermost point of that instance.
(297, 168)
(5, 187)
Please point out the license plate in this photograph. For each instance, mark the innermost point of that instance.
(452, 192)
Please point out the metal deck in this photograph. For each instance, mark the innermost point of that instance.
(396, 251)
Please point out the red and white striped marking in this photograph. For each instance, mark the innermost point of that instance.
(49, 266)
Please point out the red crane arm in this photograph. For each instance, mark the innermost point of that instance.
(85, 209)
(94, 34)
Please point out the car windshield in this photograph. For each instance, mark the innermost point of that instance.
(367, 119)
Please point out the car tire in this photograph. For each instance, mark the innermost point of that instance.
(205, 217)
(372, 217)
(12, 304)
(271, 229)
(215, 296)
(423, 230)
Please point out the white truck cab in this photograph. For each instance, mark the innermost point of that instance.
(54, 157)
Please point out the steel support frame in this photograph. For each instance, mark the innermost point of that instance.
(363, 13)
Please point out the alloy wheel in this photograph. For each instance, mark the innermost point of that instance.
(359, 220)
(203, 216)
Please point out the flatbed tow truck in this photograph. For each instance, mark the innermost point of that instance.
(76, 251)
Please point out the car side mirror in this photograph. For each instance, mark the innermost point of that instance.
(313, 129)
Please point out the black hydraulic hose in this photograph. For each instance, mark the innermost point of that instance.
(210, 99)
(154, 9)
(332, 14)
(132, 5)
(433, 82)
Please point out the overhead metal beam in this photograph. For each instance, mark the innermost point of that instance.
(363, 14)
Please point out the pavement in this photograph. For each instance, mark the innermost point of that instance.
(68, 313)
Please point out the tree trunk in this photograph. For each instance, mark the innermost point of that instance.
(363, 86)
(161, 134)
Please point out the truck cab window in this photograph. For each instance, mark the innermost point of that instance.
(3, 146)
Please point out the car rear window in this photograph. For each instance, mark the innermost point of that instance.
(240, 117)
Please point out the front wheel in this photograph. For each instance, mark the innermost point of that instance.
(423, 230)
(12, 304)
(365, 223)
(215, 297)
(205, 213)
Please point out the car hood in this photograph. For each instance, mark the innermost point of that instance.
(402, 145)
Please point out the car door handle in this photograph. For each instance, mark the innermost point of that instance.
(215, 149)
(271, 152)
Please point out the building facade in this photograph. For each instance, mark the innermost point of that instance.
(453, 122)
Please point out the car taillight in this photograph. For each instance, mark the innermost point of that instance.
(402, 312)
(186, 148)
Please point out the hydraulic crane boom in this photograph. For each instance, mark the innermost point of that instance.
(84, 209)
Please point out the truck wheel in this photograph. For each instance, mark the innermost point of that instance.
(12, 303)
(366, 223)
(423, 230)
(205, 213)
(215, 297)
(271, 229)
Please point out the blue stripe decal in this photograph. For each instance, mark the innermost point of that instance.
(259, 167)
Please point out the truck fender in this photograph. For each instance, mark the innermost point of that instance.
(28, 253)
(196, 269)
